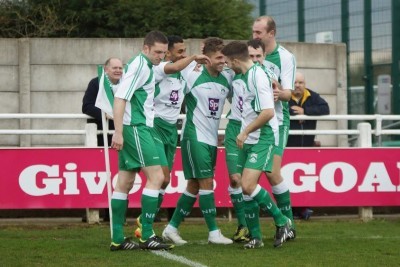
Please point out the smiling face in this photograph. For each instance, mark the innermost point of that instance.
(156, 52)
(114, 70)
(256, 55)
(177, 52)
(262, 32)
(217, 62)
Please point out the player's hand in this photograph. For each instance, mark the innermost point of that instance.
(276, 90)
(197, 67)
(202, 59)
(240, 139)
(117, 141)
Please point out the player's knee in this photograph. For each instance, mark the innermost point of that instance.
(248, 188)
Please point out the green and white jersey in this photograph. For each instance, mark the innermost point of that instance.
(283, 64)
(258, 95)
(278, 104)
(205, 100)
(238, 87)
(137, 88)
(169, 93)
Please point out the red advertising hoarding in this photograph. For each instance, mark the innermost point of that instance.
(44, 178)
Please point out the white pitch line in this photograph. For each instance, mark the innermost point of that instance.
(177, 258)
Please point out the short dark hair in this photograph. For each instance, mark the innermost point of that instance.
(236, 49)
(174, 39)
(212, 45)
(155, 37)
(256, 43)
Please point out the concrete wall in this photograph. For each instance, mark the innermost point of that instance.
(51, 75)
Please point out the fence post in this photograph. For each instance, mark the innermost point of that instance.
(365, 140)
(92, 215)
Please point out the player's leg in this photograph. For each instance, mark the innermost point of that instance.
(187, 199)
(280, 189)
(252, 210)
(119, 203)
(251, 188)
(235, 189)
(183, 208)
(209, 211)
(159, 146)
(145, 154)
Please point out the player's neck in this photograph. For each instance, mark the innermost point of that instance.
(212, 71)
(168, 59)
(271, 47)
(246, 65)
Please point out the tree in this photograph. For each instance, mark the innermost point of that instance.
(25, 19)
(229, 19)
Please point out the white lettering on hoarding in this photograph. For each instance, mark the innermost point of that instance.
(71, 180)
(348, 177)
(181, 184)
(377, 175)
(376, 179)
(28, 180)
(336, 177)
(308, 180)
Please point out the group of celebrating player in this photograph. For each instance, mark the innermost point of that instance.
(257, 77)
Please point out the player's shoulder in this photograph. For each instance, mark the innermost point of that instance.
(284, 53)
(228, 73)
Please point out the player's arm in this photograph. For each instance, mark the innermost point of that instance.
(288, 71)
(263, 117)
(179, 65)
(118, 110)
(282, 94)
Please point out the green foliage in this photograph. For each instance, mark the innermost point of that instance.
(228, 19)
(34, 19)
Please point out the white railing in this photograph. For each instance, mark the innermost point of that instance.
(377, 131)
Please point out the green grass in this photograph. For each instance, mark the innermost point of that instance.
(319, 243)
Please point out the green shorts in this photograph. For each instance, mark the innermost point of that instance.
(256, 156)
(165, 138)
(138, 150)
(198, 159)
(231, 149)
(283, 137)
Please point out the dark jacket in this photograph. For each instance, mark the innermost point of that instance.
(313, 105)
(88, 108)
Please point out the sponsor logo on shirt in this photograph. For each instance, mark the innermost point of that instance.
(240, 104)
(213, 105)
(174, 97)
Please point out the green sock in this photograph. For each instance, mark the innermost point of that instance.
(283, 203)
(149, 210)
(160, 200)
(252, 213)
(118, 207)
(266, 204)
(207, 207)
(183, 208)
(238, 206)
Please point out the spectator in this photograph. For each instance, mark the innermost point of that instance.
(113, 69)
(304, 102)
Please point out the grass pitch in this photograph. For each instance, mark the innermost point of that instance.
(344, 242)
